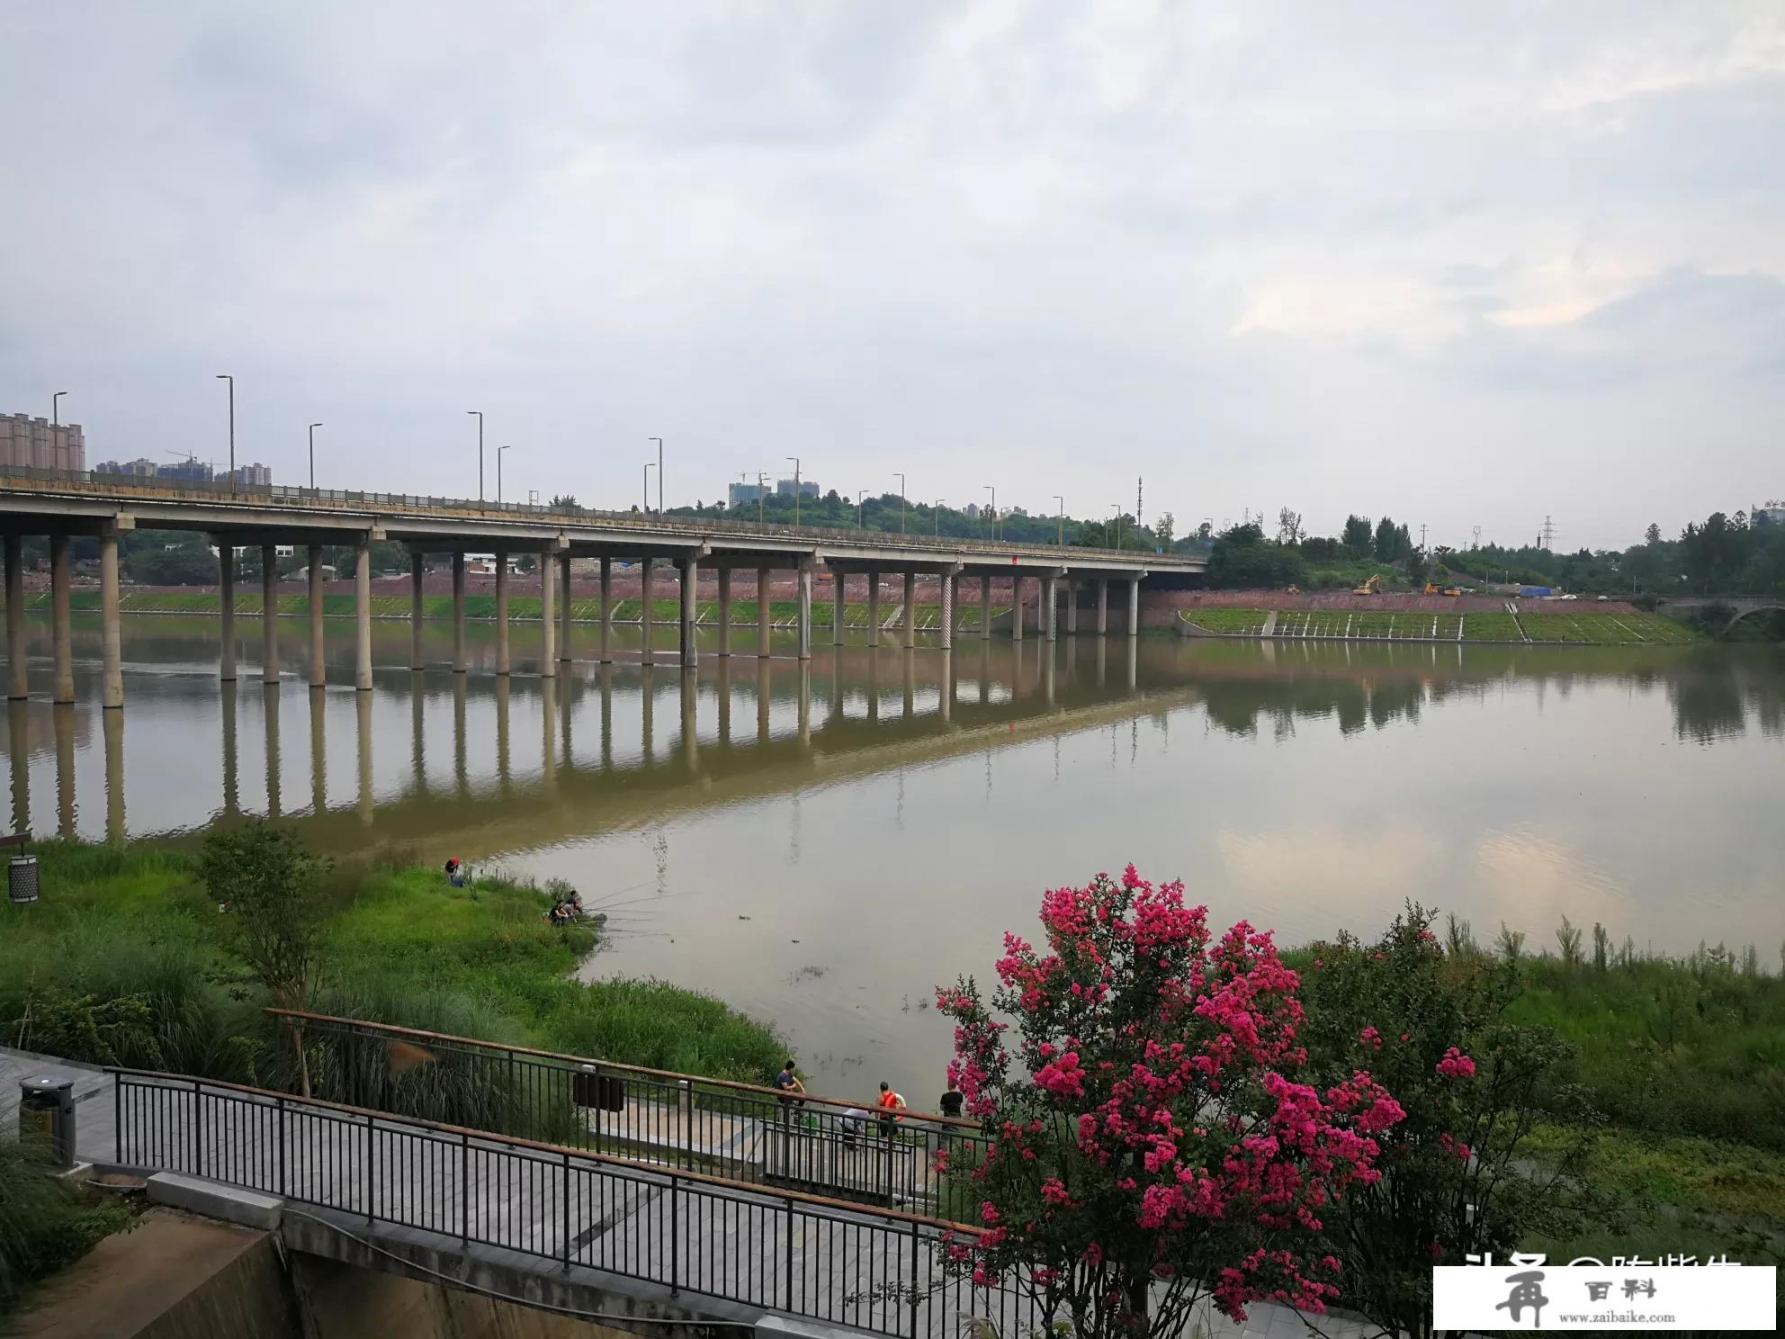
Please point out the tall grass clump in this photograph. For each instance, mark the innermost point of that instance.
(45, 1224)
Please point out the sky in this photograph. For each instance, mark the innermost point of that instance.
(1466, 265)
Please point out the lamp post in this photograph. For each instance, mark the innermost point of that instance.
(1060, 539)
(762, 489)
(901, 479)
(796, 491)
(56, 409)
(991, 514)
(479, 414)
(313, 428)
(659, 442)
(859, 495)
(1117, 508)
(499, 451)
(224, 376)
(648, 465)
(939, 502)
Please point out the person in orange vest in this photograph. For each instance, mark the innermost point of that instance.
(888, 1102)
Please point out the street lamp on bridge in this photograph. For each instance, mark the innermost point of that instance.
(1061, 538)
(499, 451)
(939, 502)
(1117, 508)
(56, 409)
(991, 514)
(224, 376)
(648, 465)
(860, 494)
(659, 442)
(313, 428)
(901, 479)
(796, 490)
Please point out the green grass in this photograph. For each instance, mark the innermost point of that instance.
(121, 963)
(1491, 628)
(1227, 620)
(45, 1224)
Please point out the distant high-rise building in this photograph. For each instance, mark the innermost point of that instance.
(37, 444)
(971, 511)
(785, 487)
(253, 476)
(140, 468)
(744, 495)
(191, 470)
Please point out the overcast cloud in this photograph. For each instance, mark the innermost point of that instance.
(1468, 264)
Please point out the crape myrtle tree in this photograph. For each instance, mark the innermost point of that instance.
(1457, 1175)
(1152, 1144)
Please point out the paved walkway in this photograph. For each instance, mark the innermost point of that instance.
(823, 1263)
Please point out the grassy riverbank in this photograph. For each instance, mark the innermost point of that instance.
(483, 608)
(122, 962)
(1574, 629)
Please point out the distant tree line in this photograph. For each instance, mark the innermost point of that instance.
(1723, 554)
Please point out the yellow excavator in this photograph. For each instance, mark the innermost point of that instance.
(1432, 588)
(1372, 586)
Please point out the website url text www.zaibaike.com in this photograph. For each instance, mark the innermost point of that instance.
(1617, 1318)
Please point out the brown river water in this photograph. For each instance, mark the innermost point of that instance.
(822, 845)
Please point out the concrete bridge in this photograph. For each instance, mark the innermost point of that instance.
(59, 505)
(1742, 606)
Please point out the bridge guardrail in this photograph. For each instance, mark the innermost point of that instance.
(742, 1131)
(803, 1255)
(133, 487)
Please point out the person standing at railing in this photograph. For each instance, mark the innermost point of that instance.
(789, 1085)
(889, 1102)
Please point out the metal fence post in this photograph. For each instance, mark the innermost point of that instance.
(685, 1099)
(371, 1156)
(279, 1106)
(464, 1190)
(675, 1239)
(118, 1091)
(914, 1281)
(566, 1199)
(787, 1283)
(198, 1129)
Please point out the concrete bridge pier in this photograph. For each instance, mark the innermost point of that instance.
(458, 611)
(724, 612)
(112, 629)
(502, 611)
(61, 619)
(226, 615)
(911, 611)
(838, 581)
(269, 614)
(417, 570)
(607, 610)
(362, 617)
(648, 592)
(1071, 607)
(548, 620)
(1134, 606)
(18, 684)
(1050, 606)
(805, 618)
(946, 595)
(1016, 606)
(565, 613)
(1102, 607)
(318, 661)
(985, 608)
(690, 592)
(764, 618)
(873, 608)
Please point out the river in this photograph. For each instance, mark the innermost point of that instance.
(822, 845)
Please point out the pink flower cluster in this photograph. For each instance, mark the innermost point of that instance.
(1456, 1065)
(1165, 1055)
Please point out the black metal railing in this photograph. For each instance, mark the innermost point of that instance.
(215, 491)
(740, 1131)
(781, 1250)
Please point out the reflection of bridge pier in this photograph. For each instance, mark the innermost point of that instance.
(690, 738)
(231, 782)
(647, 680)
(362, 703)
(607, 717)
(113, 723)
(762, 701)
(725, 703)
(418, 734)
(270, 714)
(318, 752)
(460, 777)
(502, 778)
(62, 720)
(18, 751)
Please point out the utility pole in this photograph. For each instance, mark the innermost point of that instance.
(224, 376)
(762, 488)
(1422, 537)
(1549, 534)
(1138, 483)
(1060, 539)
(313, 428)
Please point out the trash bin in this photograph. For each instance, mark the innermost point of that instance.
(46, 1120)
(21, 879)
